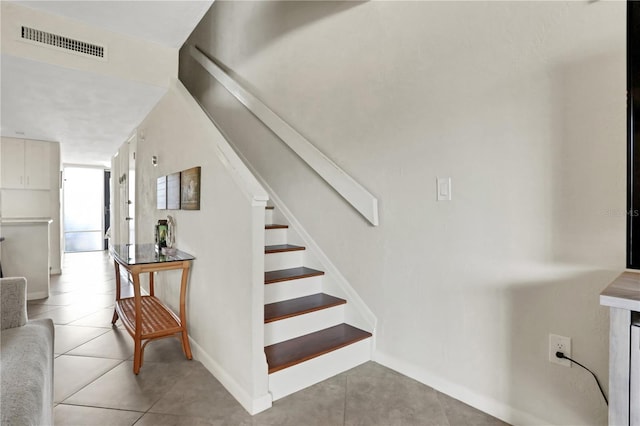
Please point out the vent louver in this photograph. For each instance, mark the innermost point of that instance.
(62, 42)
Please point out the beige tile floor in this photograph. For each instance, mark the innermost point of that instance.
(94, 383)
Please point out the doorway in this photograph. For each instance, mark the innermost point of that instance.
(107, 205)
(84, 204)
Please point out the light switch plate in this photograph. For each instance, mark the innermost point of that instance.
(443, 189)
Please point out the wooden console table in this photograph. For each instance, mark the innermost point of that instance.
(145, 317)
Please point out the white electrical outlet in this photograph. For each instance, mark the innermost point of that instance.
(559, 344)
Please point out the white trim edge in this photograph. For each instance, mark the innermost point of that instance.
(238, 170)
(314, 249)
(361, 199)
(329, 268)
(252, 405)
(37, 295)
(490, 406)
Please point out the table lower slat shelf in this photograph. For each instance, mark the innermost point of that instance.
(158, 319)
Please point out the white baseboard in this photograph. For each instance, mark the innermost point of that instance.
(37, 295)
(488, 405)
(252, 405)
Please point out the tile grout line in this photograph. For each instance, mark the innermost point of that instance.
(96, 406)
(63, 401)
(83, 343)
(141, 414)
(163, 395)
(346, 393)
(444, 411)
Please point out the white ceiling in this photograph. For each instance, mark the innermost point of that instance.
(164, 22)
(90, 115)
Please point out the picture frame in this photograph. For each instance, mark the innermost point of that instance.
(190, 189)
(173, 191)
(161, 193)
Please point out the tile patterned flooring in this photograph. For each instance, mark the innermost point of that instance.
(94, 383)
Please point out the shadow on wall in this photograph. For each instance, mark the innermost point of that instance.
(567, 304)
(588, 176)
(587, 201)
(270, 20)
(241, 127)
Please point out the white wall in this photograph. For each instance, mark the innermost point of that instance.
(522, 104)
(119, 167)
(225, 293)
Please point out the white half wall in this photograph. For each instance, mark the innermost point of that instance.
(226, 287)
(522, 104)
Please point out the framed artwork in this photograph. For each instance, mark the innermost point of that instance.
(173, 191)
(161, 193)
(190, 189)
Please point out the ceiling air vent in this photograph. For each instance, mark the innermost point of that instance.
(62, 42)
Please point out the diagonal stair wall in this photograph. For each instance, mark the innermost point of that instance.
(226, 287)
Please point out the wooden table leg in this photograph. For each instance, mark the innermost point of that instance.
(137, 356)
(151, 284)
(115, 312)
(186, 347)
(137, 338)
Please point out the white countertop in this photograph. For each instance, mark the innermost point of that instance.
(25, 220)
(623, 292)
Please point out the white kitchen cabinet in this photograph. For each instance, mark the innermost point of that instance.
(12, 163)
(25, 164)
(634, 377)
(36, 164)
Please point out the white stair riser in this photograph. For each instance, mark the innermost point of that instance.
(293, 379)
(291, 289)
(268, 216)
(279, 331)
(274, 237)
(283, 260)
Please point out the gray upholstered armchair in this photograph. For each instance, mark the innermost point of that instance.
(26, 359)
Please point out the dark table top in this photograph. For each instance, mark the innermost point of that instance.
(139, 254)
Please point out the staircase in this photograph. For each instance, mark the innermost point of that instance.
(306, 337)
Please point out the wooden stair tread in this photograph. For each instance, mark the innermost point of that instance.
(269, 207)
(291, 352)
(279, 248)
(275, 226)
(290, 274)
(299, 306)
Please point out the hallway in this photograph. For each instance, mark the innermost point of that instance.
(94, 383)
